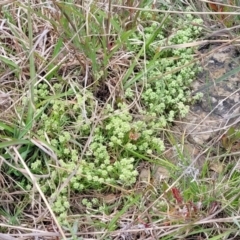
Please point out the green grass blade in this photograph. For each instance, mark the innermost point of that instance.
(6, 127)
(51, 66)
(10, 63)
(32, 69)
(14, 143)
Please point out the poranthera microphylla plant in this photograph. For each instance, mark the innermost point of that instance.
(65, 122)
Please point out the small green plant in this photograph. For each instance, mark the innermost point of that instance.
(167, 96)
(67, 128)
(65, 112)
(99, 165)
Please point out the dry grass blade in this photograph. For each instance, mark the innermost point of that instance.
(32, 232)
(6, 237)
(176, 12)
(219, 3)
(5, 2)
(197, 59)
(45, 148)
(36, 185)
(199, 43)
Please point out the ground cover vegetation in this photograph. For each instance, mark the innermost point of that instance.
(89, 91)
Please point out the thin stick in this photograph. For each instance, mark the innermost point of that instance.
(36, 185)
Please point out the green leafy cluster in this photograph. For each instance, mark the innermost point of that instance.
(112, 153)
(167, 95)
(65, 120)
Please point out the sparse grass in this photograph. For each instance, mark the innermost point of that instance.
(89, 93)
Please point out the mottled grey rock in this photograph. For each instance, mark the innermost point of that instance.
(220, 106)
